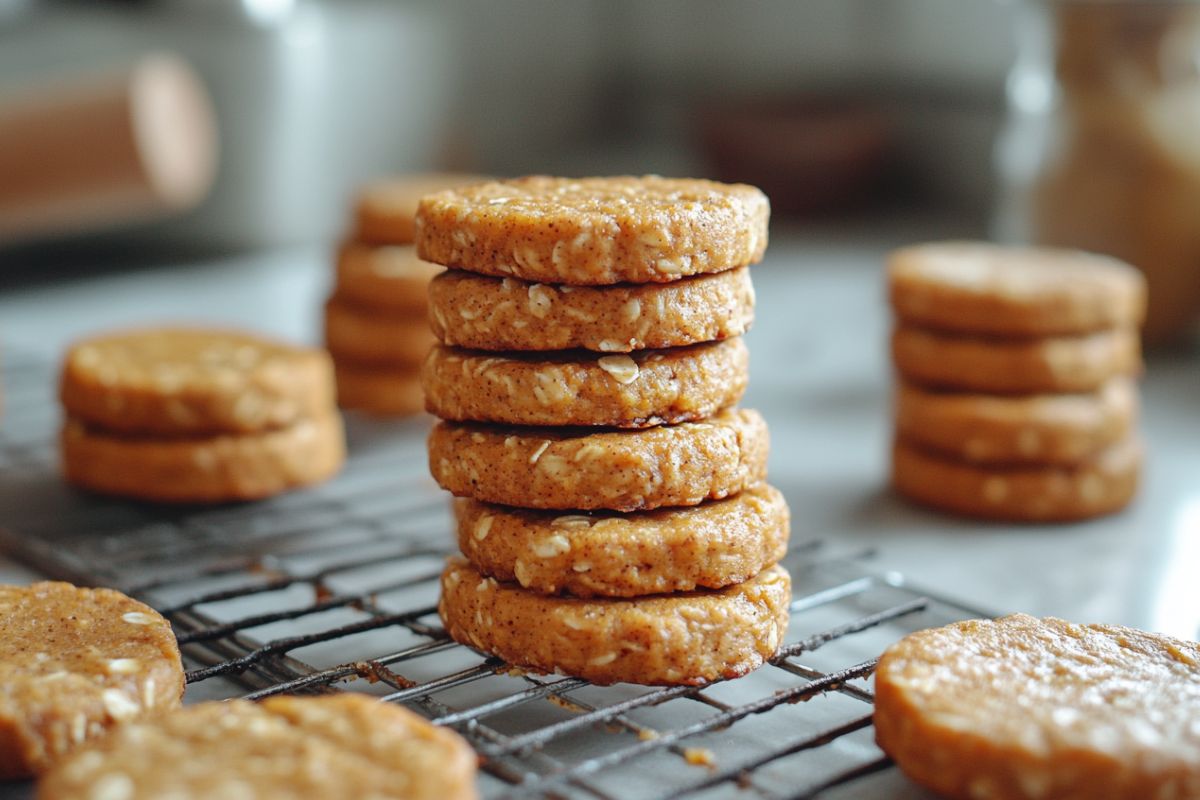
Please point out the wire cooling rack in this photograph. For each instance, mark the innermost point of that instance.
(334, 589)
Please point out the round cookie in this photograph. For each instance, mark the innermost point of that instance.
(973, 287)
(1015, 366)
(670, 465)
(486, 313)
(365, 337)
(346, 745)
(634, 390)
(385, 211)
(385, 278)
(594, 231)
(709, 546)
(690, 638)
(74, 663)
(381, 391)
(1034, 429)
(1020, 708)
(182, 381)
(1103, 485)
(214, 469)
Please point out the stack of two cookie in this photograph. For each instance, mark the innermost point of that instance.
(613, 510)
(1017, 399)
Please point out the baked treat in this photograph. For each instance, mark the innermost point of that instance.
(670, 465)
(375, 338)
(625, 390)
(973, 287)
(690, 638)
(1102, 485)
(346, 745)
(382, 391)
(594, 231)
(1020, 708)
(73, 663)
(210, 469)
(386, 278)
(1015, 366)
(385, 211)
(1035, 429)
(181, 381)
(709, 546)
(485, 313)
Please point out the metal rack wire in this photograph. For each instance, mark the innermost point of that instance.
(334, 589)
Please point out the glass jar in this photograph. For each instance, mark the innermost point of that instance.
(1102, 146)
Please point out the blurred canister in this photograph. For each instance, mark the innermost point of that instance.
(1102, 148)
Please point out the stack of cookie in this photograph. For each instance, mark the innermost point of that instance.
(612, 507)
(376, 324)
(1017, 398)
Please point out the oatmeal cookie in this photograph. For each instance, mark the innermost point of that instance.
(367, 337)
(387, 278)
(385, 211)
(381, 391)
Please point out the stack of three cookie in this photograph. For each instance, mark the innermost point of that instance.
(612, 506)
(1017, 398)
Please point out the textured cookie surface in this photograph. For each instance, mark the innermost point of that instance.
(486, 313)
(178, 381)
(75, 662)
(1102, 485)
(211, 469)
(690, 638)
(299, 748)
(709, 546)
(625, 390)
(1021, 708)
(1036, 429)
(1015, 366)
(374, 337)
(594, 231)
(385, 211)
(671, 465)
(382, 391)
(975, 287)
(386, 278)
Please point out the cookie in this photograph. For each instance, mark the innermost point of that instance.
(973, 287)
(365, 337)
(386, 278)
(1034, 429)
(709, 546)
(486, 313)
(73, 663)
(181, 381)
(690, 638)
(1020, 708)
(1103, 485)
(211, 469)
(594, 231)
(385, 211)
(345, 745)
(670, 465)
(381, 391)
(633, 390)
(1015, 366)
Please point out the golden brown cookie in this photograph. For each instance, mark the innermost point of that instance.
(181, 381)
(670, 465)
(974, 287)
(1015, 366)
(710, 546)
(211, 469)
(367, 337)
(624, 390)
(594, 231)
(73, 663)
(1034, 429)
(385, 278)
(690, 638)
(1020, 708)
(486, 313)
(385, 211)
(381, 391)
(1102, 485)
(346, 745)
